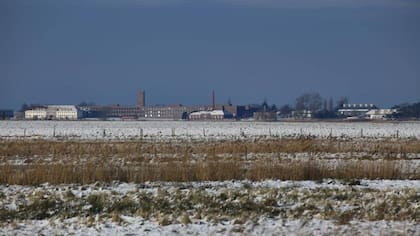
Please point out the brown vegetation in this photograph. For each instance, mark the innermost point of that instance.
(138, 148)
(86, 162)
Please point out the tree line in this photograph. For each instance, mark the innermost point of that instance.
(326, 108)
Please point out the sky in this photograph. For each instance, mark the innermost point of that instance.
(178, 51)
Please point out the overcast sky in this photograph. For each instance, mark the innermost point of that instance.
(66, 52)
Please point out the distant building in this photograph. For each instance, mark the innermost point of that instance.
(232, 109)
(6, 114)
(355, 110)
(281, 115)
(245, 112)
(62, 112)
(380, 114)
(153, 112)
(210, 115)
(52, 112)
(37, 113)
(265, 116)
(171, 112)
(112, 111)
(304, 114)
(164, 112)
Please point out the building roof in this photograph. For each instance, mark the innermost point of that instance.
(55, 107)
(381, 111)
(359, 106)
(63, 107)
(212, 113)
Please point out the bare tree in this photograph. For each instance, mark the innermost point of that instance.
(300, 103)
(24, 107)
(286, 109)
(330, 104)
(309, 101)
(342, 101)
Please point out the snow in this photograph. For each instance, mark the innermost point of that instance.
(371, 192)
(263, 225)
(124, 130)
(138, 226)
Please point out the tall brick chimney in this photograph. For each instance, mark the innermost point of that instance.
(213, 105)
(141, 98)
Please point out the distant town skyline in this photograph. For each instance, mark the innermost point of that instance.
(178, 51)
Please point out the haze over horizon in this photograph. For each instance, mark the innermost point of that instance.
(66, 52)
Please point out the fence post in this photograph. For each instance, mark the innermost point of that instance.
(361, 132)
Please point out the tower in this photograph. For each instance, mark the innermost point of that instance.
(213, 105)
(141, 98)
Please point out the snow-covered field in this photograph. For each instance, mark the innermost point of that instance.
(236, 207)
(368, 207)
(203, 130)
(139, 226)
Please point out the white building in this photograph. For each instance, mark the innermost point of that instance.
(355, 110)
(53, 112)
(36, 114)
(304, 114)
(63, 112)
(380, 114)
(210, 115)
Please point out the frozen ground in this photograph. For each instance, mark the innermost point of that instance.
(376, 207)
(139, 226)
(202, 130)
(269, 207)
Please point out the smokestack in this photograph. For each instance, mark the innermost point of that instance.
(212, 101)
(141, 98)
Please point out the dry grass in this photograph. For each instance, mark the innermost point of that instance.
(136, 148)
(207, 171)
(87, 162)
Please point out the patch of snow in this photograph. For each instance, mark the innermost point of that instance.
(126, 130)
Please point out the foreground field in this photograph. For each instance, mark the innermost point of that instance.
(200, 178)
(230, 207)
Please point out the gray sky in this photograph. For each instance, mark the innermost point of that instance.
(65, 52)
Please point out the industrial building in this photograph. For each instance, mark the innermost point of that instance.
(155, 112)
(171, 112)
(380, 114)
(37, 113)
(210, 115)
(111, 111)
(365, 111)
(355, 110)
(52, 112)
